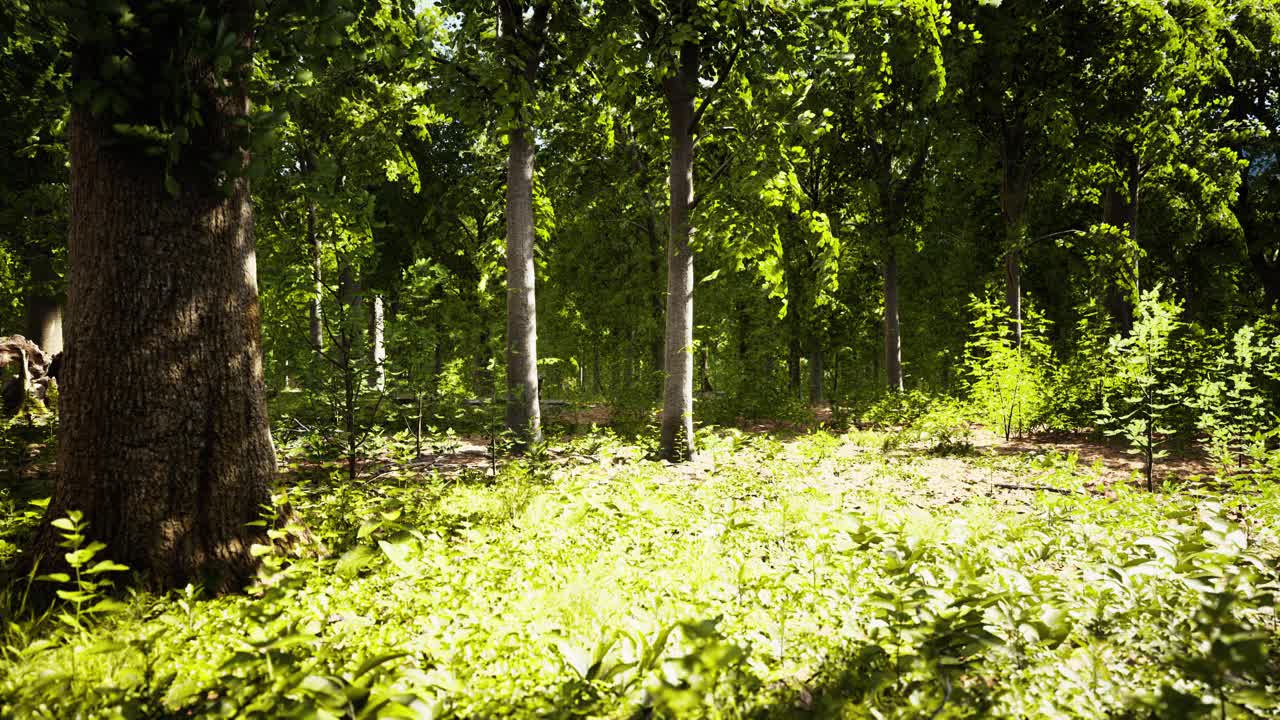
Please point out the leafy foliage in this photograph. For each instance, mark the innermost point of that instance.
(759, 593)
(1008, 382)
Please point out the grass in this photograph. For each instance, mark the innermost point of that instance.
(817, 577)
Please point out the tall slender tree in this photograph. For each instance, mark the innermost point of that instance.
(509, 72)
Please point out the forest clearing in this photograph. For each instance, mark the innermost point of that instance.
(640, 359)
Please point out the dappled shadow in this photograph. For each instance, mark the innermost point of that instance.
(1115, 464)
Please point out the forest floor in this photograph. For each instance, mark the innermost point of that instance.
(988, 464)
(786, 572)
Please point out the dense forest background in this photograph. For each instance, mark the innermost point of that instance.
(265, 246)
(866, 175)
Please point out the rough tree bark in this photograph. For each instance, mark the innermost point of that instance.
(892, 328)
(676, 442)
(164, 442)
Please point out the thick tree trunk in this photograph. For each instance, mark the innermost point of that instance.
(164, 443)
(378, 348)
(676, 442)
(317, 279)
(892, 329)
(524, 414)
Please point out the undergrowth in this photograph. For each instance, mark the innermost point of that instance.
(603, 585)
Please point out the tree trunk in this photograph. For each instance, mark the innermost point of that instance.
(42, 309)
(892, 329)
(815, 376)
(524, 414)
(377, 329)
(317, 279)
(164, 442)
(1013, 290)
(1119, 294)
(676, 442)
(1016, 172)
(351, 333)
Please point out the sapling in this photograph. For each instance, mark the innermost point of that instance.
(1007, 382)
(1237, 401)
(1142, 388)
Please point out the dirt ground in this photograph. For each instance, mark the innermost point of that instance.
(1009, 472)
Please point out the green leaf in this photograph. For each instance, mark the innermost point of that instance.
(106, 566)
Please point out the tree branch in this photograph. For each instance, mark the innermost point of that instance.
(709, 95)
(714, 176)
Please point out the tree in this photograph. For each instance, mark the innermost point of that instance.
(1158, 116)
(1011, 65)
(1253, 64)
(164, 443)
(511, 69)
(33, 190)
(678, 45)
(886, 80)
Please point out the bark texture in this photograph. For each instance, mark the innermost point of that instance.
(164, 443)
(524, 414)
(676, 443)
(892, 328)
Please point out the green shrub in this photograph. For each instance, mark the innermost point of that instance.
(1008, 384)
(1238, 398)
